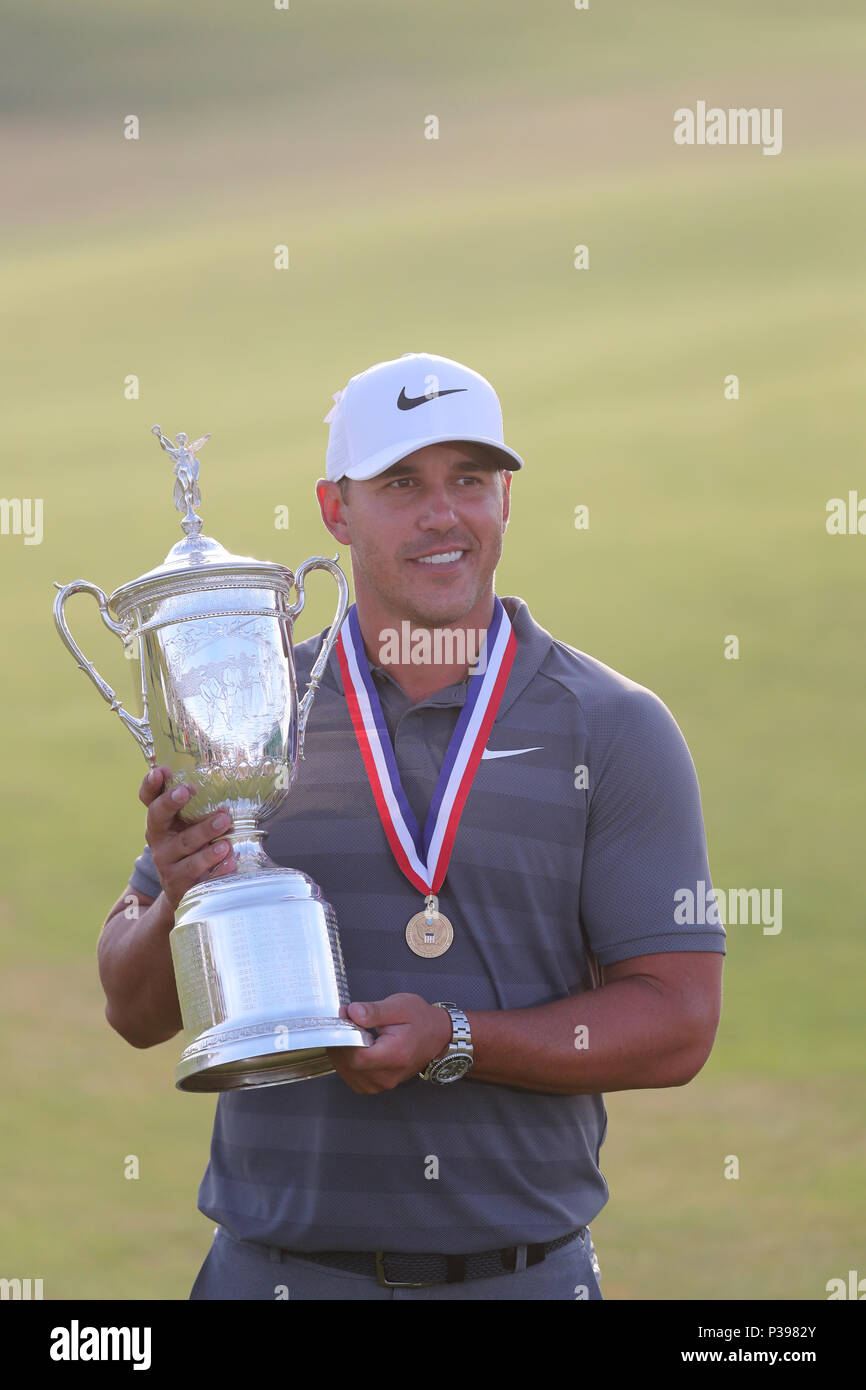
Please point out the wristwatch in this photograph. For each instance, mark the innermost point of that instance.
(459, 1057)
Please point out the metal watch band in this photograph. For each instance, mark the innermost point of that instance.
(460, 1047)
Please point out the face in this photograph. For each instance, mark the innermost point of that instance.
(444, 500)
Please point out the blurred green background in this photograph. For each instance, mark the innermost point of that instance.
(155, 258)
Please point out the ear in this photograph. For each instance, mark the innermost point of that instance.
(331, 506)
(506, 497)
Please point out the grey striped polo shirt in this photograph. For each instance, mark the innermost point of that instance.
(553, 870)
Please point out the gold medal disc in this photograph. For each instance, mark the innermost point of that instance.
(429, 939)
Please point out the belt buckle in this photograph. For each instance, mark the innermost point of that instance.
(387, 1283)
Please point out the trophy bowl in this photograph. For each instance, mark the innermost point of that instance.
(257, 958)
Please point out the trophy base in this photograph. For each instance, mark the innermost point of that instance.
(261, 982)
(291, 1050)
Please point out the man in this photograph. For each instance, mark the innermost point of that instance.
(513, 962)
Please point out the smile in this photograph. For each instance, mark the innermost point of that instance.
(447, 557)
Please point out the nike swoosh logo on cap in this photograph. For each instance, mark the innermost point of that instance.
(405, 402)
(511, 752)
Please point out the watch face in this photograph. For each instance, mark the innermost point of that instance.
(452, 1069)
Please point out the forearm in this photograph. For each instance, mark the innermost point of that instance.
(137, 974)
(624, 1036)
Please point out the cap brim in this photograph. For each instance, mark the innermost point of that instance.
(372, 467)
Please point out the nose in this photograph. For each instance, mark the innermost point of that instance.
(438, 510)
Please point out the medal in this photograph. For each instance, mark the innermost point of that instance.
(424, 859)
(429, 933)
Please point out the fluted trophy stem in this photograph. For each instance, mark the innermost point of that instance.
(249, 852)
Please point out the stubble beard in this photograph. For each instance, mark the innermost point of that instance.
(404, 603)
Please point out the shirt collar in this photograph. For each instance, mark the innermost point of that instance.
(533, 644)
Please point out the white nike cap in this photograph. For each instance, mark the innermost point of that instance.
(396, 407)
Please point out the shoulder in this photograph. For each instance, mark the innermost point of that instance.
(611, 703)
(614, 705)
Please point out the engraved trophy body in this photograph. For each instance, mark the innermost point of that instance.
(257, 957)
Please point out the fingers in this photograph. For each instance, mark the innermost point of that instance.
(342, 1060)
(165, 804)
(183, 854)
(176, 838)
(155, 782)
(178, 876)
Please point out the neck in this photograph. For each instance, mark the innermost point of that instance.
(423, 657)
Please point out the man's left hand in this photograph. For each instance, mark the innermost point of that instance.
(411, 1033)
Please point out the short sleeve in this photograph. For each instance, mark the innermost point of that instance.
(144, 878)
(645, 837)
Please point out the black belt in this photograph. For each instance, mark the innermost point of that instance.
(396, 1270)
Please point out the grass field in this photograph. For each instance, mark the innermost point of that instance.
(707, 518)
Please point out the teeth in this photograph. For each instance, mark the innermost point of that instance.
(440, 559)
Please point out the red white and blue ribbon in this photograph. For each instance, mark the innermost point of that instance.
(424, 859)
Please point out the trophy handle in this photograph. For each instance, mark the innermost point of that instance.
(317, 562)
(139, 728)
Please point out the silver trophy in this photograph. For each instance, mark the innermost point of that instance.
(257, 958)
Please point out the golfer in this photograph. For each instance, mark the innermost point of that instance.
(502, 824)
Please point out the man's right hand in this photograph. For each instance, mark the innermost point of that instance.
(183, 854)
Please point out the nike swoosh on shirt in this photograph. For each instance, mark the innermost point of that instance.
(511, 752)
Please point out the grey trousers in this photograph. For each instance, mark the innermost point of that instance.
(236, 1270)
